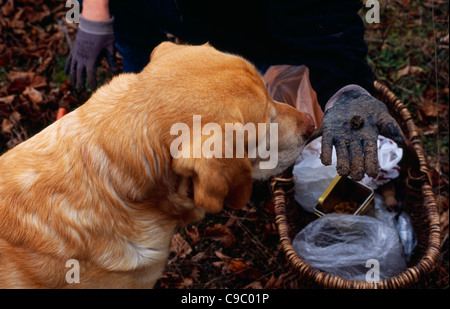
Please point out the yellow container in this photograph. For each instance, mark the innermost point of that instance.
(344, 195)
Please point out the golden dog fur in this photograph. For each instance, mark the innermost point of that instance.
(100, 185)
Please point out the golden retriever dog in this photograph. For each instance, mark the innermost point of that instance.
(94, 199)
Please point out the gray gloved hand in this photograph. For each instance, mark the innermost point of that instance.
(352, 125)
(92, 38)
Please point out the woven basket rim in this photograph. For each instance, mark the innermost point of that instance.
(408, 277)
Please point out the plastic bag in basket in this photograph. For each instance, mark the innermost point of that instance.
(342, 245)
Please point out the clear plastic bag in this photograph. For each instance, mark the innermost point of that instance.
(400, 221)
(311, 177)
(406, 233)
(342, 245)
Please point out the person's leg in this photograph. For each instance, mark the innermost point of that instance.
(234, 26)
(327, 36)
(136, 36)
(229, 26)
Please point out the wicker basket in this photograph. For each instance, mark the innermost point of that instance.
(413, 186)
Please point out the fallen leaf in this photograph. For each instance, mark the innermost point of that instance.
(185, 283)
(198, 257)
(221, 255)
(6, 126)
(271, 282)
(193, 234)
(243, 269)
(238, 265)
(8, 99)
(222, 234)
(38, 81)
(180, 246)
(21, 80)
(224, 260)
(168, 279)
(430, 129)
(15, 118)
(409, 70)
(218, 264)
(277, 282)
(43, 66)
(195, 274)
(34, 95)
(8, 7)
(429, 110)
(36, 17)
(255, 285)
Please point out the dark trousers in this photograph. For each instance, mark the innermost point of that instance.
(327, 36)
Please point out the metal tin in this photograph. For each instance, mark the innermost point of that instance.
(344, 189)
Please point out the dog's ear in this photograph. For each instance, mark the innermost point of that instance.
(220, 181)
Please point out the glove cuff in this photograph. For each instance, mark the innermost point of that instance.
(97, 27)
(341, 91)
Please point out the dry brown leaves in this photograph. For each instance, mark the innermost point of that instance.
(32, 86)
(410, 70)
(235, 249)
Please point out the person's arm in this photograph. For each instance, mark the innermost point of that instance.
(95, 35)
(96, 10)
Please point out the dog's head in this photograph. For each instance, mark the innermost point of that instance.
(222, 128)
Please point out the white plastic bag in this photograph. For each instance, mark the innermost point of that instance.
(389, 155)
(342, 245)
(311, 177)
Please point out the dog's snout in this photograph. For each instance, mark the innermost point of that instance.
(309, 126)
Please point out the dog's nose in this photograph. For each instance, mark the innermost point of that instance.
(309, 126)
